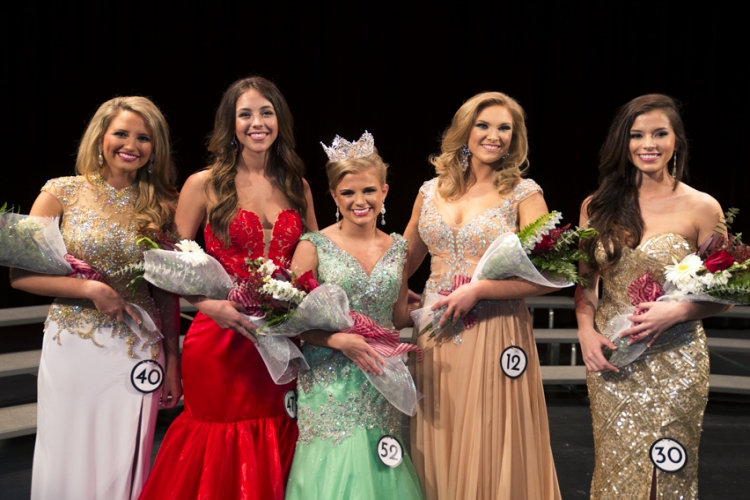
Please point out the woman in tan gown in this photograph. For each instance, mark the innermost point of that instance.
(479, 434)
(646, 217)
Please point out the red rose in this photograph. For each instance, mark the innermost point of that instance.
(544, 246)
(718, 261)
(308, 282)
(281, 274)
(644, 289)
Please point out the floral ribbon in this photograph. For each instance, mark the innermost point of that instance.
(644, 289)
(383, 340)
(459, 280)
(241, 294)
(83, 269)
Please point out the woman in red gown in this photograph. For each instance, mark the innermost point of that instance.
(235, 439)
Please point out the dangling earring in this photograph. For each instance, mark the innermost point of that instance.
(382, 214)
(506, 155)
(464, 157)
(278, 149)
(151, 165)
(337, 213)
(100, 159)
(233, 143)
(674, 167)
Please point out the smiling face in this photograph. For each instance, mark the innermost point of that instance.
(126, 145)
(360, 197)
(256, 126)
(652, 142)
(490, 135)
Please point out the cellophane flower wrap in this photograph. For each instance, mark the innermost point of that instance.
(540, 253)
(326, 307)
(188, 270)
(36, 244)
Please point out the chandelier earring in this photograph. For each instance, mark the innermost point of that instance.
(506, 155)
(382, 214)
(464, 157)
(100, 158)
(674, 167)
(151, 165)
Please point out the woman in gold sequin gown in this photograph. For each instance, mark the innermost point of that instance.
(95, 430)
(646, 217)
(479, 434)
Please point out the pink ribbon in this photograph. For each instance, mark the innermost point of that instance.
(470, 320)
(241, 294)
(83, 269)
(383, 340)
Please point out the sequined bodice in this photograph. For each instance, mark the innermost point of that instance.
(247, 241)
(457, 249)
(335, 396)
(373, 295)
(652, 255)
(98, 228)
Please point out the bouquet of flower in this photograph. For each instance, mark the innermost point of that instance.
(35, 244)
(540, 253)
(152, 240)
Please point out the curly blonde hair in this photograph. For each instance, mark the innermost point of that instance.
(155, 193)
(336, 170)
(452, 179)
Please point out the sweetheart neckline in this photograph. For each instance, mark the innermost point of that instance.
(361, 268)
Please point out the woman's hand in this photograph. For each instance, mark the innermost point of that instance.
(360, 352)
(171, 390)
(109, 302)
(460, 302)
(592, 343)
(226, 314)
(654, 319)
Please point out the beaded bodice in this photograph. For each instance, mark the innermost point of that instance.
(651, 255)
(458, 249)
(98, 227)
(336, 396)
(248, 241)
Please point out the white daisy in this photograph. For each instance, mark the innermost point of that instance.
(683, 272)
(191, 252)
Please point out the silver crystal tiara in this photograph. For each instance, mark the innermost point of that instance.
(341, 149)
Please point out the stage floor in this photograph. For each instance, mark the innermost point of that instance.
(724, 461)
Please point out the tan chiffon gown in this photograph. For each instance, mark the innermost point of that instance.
(479, 434)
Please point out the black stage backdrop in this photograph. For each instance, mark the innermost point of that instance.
(399, 72)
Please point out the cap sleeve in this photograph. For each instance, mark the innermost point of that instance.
(524, 189)
(65, 189)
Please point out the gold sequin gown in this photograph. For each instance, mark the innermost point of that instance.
(479, 435)
(95, 430)
(662, 394)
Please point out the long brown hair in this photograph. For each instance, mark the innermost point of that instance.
(286, 166)
(613, 209)
(155, 193)
(452, 178)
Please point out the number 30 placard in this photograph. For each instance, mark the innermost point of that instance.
(513, 361)
(668, 455)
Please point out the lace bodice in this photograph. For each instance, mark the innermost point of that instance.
(248, 241)
(98, 228)
(457, 249)
(651, 255)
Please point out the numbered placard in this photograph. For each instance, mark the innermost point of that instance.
(390, 451)
(147, 376)
(668, 455)
(513, 361)
(290, 403)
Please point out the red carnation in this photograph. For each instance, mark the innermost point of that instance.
(307, 282)
(545, 245)
(718, 261)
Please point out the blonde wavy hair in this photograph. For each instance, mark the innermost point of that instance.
(155, 193)
(284, 164)
(452, 179)
(336, 170)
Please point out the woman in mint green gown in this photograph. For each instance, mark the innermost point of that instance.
(341, 416)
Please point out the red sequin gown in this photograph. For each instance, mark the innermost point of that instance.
(234, 440)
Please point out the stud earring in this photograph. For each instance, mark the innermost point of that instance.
(464, 157)
(674, 167)
(100, 158)
(382, 214)
(337, 213)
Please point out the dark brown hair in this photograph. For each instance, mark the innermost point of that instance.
(286, 166)
(613, 209)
